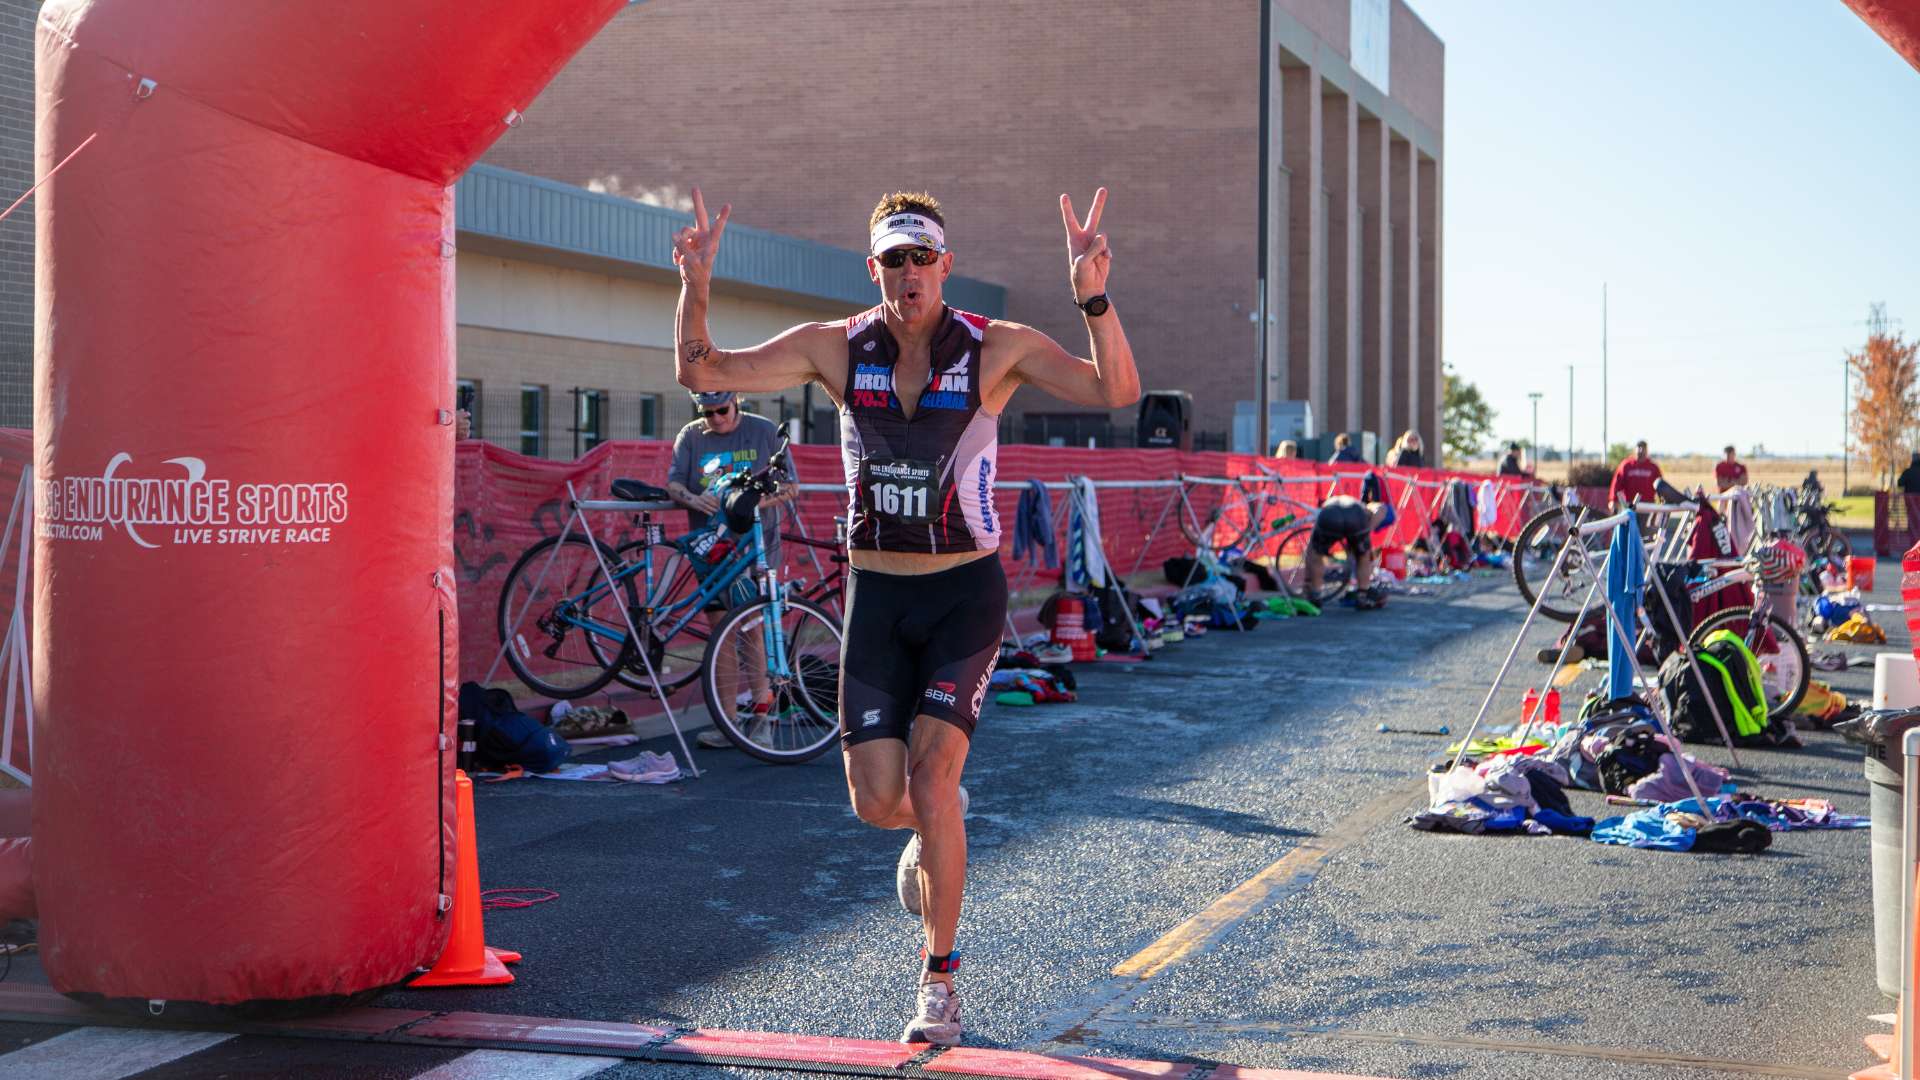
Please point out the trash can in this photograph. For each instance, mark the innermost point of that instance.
(1882, 731)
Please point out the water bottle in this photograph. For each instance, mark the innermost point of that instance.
(1553, 707)
(1529, 705)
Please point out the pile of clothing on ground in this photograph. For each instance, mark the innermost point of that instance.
(1612, 746)
(1822, 706)
(1740, 824)
(1032, 673)
(1511, 791)
(1841, 616)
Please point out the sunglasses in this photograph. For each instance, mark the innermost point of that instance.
(895, 258)
(721, 411)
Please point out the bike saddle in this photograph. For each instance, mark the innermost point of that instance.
(639, 491)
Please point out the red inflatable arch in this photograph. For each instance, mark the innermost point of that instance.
(244, 654)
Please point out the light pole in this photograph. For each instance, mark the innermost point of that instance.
(1846, 410)
(1533, 454)
(1569, 424)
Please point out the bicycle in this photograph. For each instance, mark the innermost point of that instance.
(1537, 547)
(1817, 536)
(829, 591)
(1780, 648)
(1244, 519)
(582, 597)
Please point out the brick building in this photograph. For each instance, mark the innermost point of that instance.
(801, 116)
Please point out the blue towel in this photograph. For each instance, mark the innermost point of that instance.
(1033, 526)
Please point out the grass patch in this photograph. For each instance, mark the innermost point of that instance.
(1855, 511)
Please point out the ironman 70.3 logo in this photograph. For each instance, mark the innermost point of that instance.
(186, 507)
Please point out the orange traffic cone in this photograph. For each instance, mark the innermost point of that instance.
(467, 961)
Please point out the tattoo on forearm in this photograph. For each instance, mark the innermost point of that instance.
(696, 351)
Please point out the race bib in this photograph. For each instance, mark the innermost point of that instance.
(901, 490)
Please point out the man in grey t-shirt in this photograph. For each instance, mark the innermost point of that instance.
(722, 439)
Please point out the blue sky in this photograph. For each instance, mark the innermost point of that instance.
(1740, 173)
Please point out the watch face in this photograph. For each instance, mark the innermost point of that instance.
(1095, 306)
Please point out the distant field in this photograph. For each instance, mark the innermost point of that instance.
(1689, 471)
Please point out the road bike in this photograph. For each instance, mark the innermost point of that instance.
(1536, 549)
(1817, 535)
(567, 604)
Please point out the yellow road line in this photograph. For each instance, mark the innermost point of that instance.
(1292, 871)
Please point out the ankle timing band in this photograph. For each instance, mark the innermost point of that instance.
(942, 965)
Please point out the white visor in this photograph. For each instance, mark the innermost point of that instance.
(907, 230)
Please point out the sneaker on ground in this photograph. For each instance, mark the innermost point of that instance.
(714, 739)
(936, 1018)
(906, 873)
(647, 766)
(1053, 654)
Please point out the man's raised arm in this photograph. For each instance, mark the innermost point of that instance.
(787, 360)
(1108, 377)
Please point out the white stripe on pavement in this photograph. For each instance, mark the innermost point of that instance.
(99, 1053)
(518, 1065)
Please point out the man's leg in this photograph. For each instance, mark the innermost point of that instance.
(1365, 558)
(935, 759)
(877, 783)
(1315, 569)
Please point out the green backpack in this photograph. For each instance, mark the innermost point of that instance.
(1738, 691)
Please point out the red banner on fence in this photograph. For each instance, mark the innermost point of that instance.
(505, 502)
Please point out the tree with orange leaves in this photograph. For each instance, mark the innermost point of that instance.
(1886, 402)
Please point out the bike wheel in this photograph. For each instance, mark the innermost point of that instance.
(1226, 524)
(805, 719)
(560, 620)
(676, 659)
(1534, 552)
(1784, 664)
(1832, 545)
(1290, 568)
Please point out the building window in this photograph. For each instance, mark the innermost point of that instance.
(467, 396)
(649, 416)
(589, 418)
(533, 420)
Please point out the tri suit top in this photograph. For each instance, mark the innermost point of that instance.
(925, 483)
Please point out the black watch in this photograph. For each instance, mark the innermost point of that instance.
(1094, 306)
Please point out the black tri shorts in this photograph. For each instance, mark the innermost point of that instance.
(919, 644)
(1343, 519)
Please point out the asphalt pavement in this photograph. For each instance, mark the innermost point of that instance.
(1203, 859)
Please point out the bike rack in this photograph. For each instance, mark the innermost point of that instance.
(579, 513)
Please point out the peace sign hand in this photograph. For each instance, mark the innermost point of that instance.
(1088, 256)
(695, 246)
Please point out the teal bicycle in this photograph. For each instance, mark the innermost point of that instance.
(705, 606)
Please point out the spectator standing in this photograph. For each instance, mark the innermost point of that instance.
(1343, 451)
(722, 439)
(1730, 473)
(1287, 449)
(1407, 453)
(1636, 480)
(1910, 476)
(1510, 465)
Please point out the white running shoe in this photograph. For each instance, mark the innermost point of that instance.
(906, 874)
(1051, 653)
(937, 1018)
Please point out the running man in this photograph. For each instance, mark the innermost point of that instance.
(920, 388)
(1344, 519)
